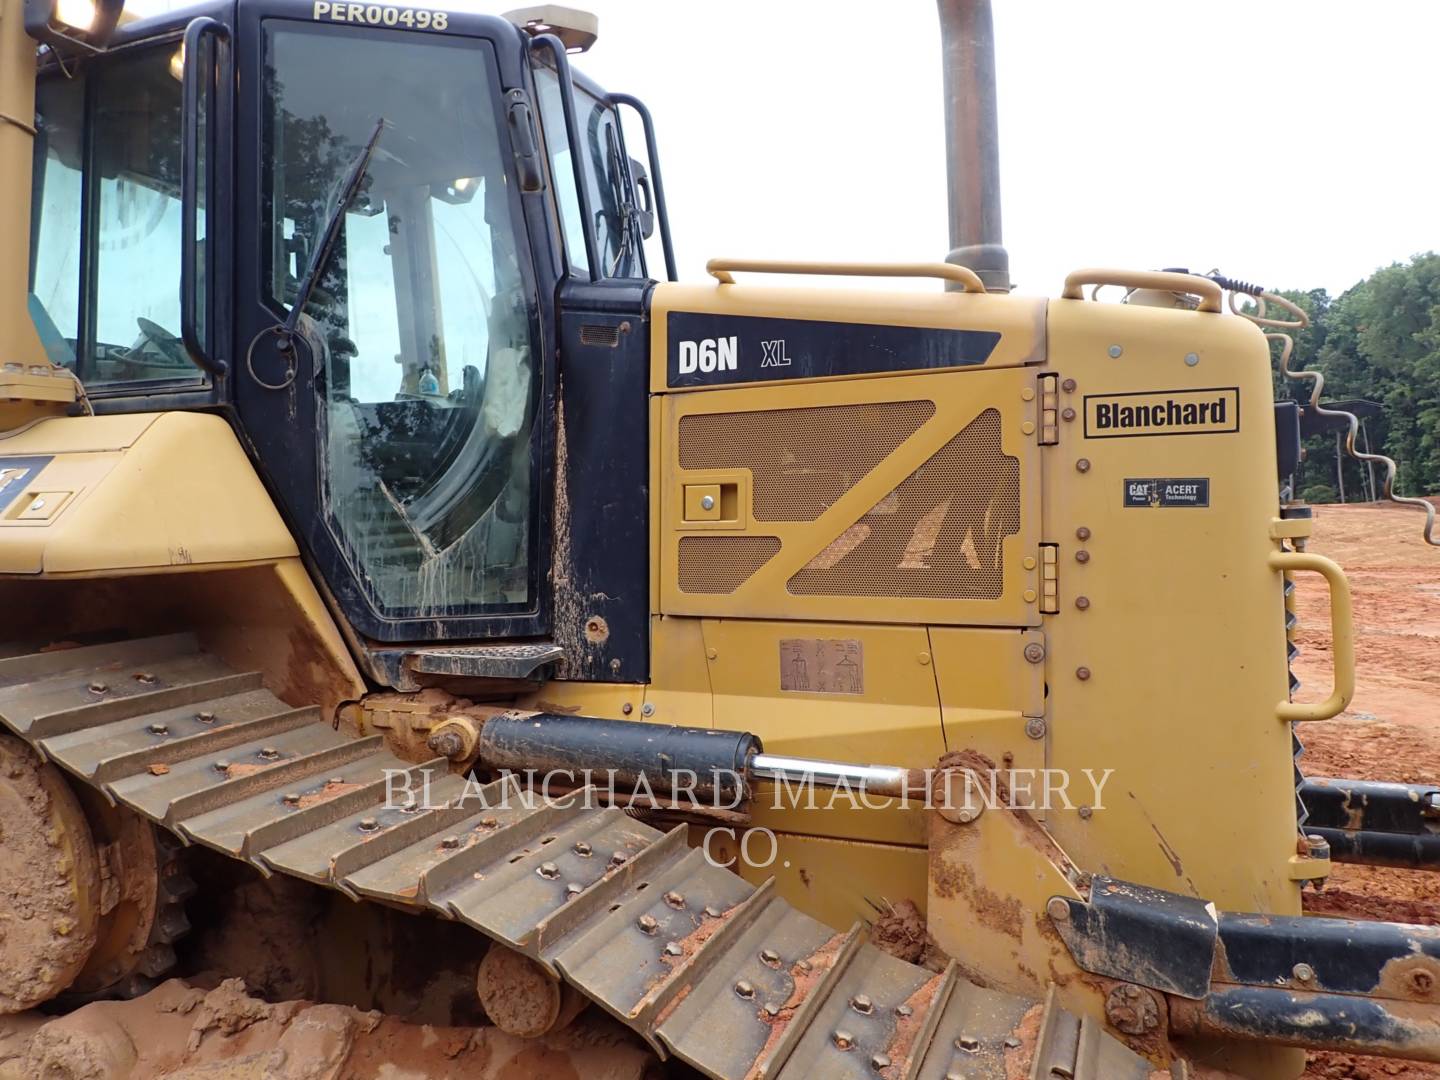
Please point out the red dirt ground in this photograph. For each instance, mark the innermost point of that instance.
(1392, 729)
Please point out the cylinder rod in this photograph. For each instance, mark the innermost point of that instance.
(883, 780)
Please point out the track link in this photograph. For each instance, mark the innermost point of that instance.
(701, 964)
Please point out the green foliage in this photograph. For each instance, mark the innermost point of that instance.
(1379, 341)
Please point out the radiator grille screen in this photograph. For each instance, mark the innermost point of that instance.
(721, 564)
(801, 460)
(938, 535)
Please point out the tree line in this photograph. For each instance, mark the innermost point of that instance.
(1378, 341)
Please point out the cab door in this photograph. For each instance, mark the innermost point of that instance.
(405, 431)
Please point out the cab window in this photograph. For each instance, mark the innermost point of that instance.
(105, 298)
(602, 156)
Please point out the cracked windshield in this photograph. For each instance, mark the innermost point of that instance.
(428, 376)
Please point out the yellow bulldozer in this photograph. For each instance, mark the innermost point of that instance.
(820, 682)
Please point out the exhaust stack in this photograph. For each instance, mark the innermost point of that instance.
(972, 142)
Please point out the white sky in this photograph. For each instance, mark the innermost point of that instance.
(1290, 142)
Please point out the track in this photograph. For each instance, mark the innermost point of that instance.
(704, 966)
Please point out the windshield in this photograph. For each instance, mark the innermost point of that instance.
(428, 378)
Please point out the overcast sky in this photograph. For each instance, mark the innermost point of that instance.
(1290, 142)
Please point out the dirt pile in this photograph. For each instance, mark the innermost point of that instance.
(1392, 729)
(181, 1032)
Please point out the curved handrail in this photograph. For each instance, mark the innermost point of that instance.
(1164, 280)
(722, 270)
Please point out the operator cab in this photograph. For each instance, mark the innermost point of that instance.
(359, 232)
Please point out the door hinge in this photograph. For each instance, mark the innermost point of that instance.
(1049, 579)
(1049, 410)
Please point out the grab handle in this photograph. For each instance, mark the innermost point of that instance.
(1164, 280)
(1342, 632)
(721, 270)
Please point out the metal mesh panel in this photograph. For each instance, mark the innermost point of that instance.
(801, 460)
(938, 535)
(721, 564)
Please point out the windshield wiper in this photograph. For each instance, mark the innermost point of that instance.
(321, 255)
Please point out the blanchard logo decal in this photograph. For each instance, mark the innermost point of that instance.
(1163, 412)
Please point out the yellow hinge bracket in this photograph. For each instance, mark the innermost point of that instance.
(1049, 410)
(1049, 579)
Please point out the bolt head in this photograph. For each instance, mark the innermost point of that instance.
(1082, 673)
(843, 1039)
(573, 889)
(1086, 812)
(205, 717)
(1191, 359)
(369, 824)
(450, 843)
(1035, 727)
(1068, 386)
(1083, 465)
(1132, 1009)
(269, 753)
(1082, 555)
(99, 688)
(1034, 652)
(222, 766)
(707, 502)
(158, 729)
(291, 797)
(583, 849)
(619, 859)
(145, 677)
(548, 870)
(1067, 413)
(1303, 973)
(1082, 602)
(647, 709)
(1115, 351)
(770, 958)
(675, 900)
(880, 1062)
(904, 1011)
(673, 948)
(862, 1004)
(744, 989)
(627, 708)
(969, 1043)
(648, 924)
(712, 911)
(1058, 909)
